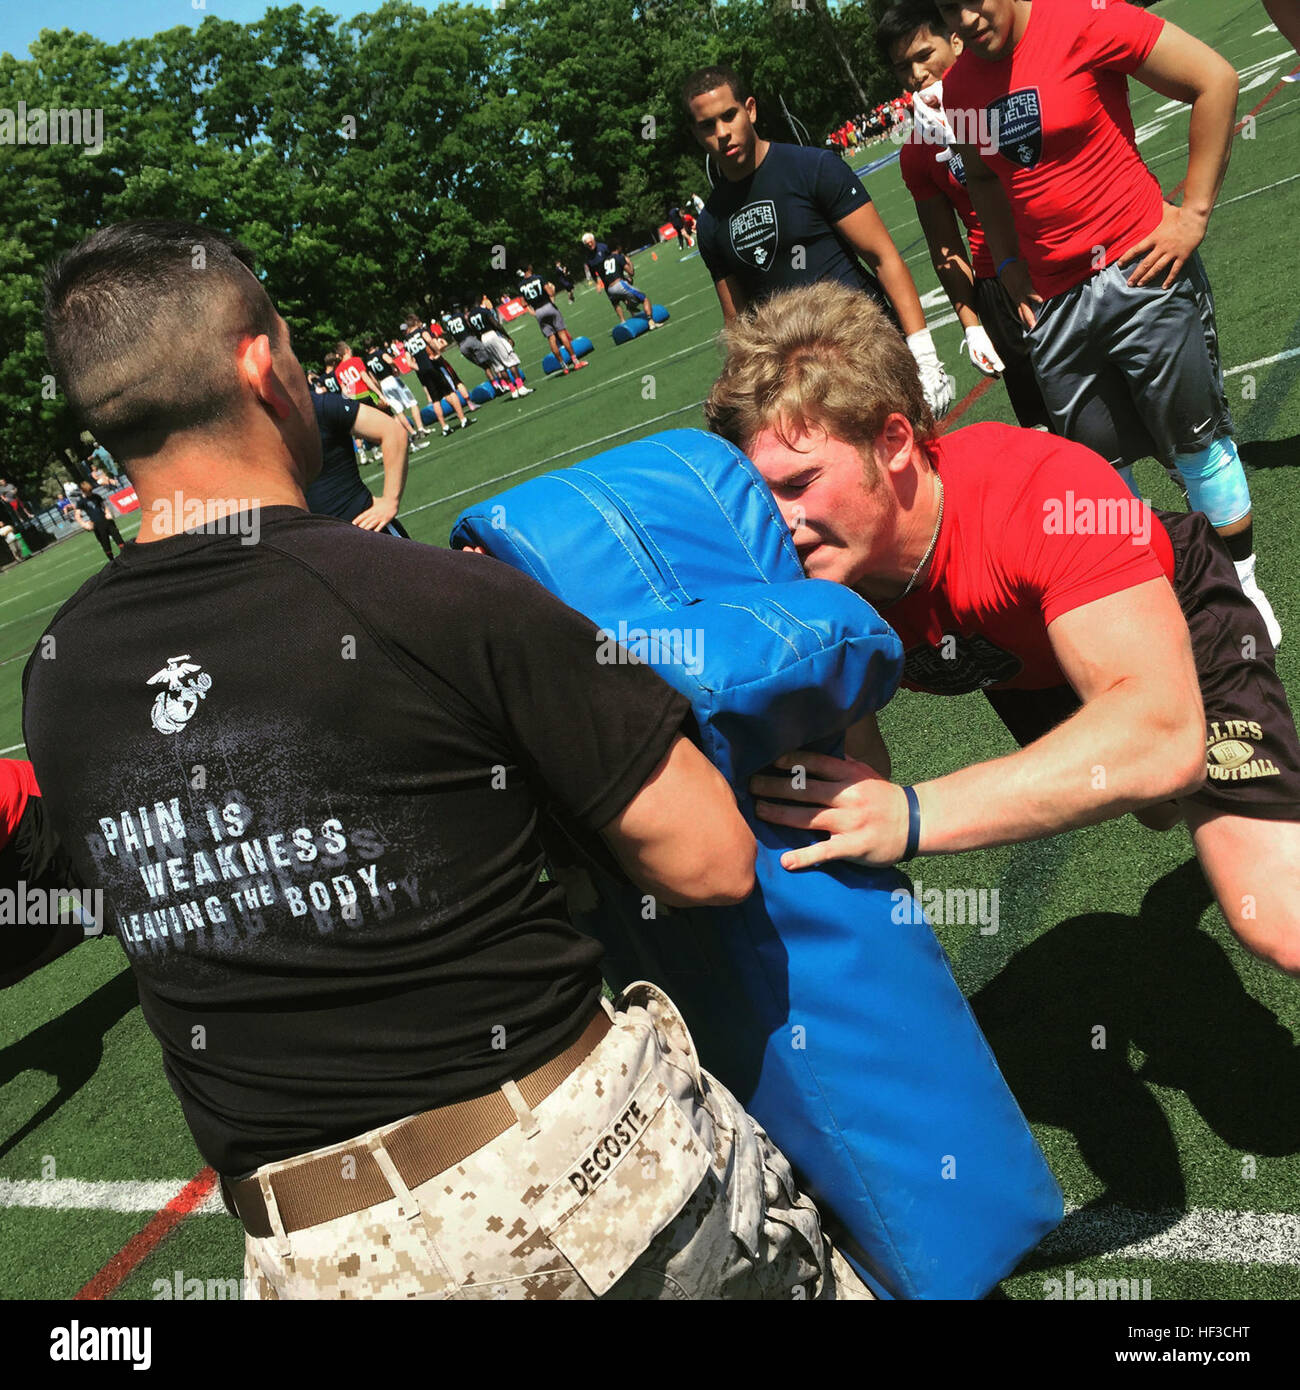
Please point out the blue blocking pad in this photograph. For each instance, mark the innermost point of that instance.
(551, 363)
(632, 328)
(482, 393)
(831, 1013)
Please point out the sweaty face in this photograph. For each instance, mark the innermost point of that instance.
(983, 25)
(725, 127)
(843, 529)
(922, 59)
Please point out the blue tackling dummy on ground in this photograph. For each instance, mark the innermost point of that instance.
(636, 324)
(824, 1001)
(582, 346)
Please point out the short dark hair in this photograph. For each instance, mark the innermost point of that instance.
(140, 323)
(706, 79)
(901, 20)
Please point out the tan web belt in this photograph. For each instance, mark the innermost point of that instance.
(316, 1189)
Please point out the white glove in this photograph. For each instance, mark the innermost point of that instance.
(982, 353)
(931, 121)
(938, 386)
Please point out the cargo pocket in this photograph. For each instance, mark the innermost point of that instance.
(624, 1185)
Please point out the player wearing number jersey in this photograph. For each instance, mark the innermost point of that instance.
(436, 374)
(380, 365)
(536, 294)
(1103, 272)
(503, 373)
(614, 271)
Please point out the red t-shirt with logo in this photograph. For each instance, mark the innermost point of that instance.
(928, 177)
(1033, 526)
(1067, 157)
(351, 376)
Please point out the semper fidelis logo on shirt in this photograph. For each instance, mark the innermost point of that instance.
(1019, 126)
(754, 234)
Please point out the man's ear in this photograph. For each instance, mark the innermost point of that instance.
(751, 106)
(257, 369)
(894, 442)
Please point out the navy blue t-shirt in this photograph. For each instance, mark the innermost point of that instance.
(483, 320)
(596, 261)
(338, 491)
(534, 292)
(776, 229)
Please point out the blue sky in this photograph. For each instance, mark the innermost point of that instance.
(121, 19)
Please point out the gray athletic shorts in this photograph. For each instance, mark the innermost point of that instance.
(499, 349)
(550, 320)
(473, 351)
(1133, 372)
(397, 393)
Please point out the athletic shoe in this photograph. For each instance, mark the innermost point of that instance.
(514, 395)
(446, 430)
(1246, 573)
(581, 363)
(467, 422)
(528, 390)
(578, 364)
(652, 324)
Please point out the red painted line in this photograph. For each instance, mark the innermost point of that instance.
(1237, 129)
(145, 1242)
(967, 401)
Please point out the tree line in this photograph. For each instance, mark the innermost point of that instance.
(380, 164)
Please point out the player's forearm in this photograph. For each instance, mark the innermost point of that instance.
(896, 281)
(1209, 144)
(1121, 751)
(994, 212)
(958, 281)
(395, 449)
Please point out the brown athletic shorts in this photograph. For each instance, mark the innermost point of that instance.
(1252, 751)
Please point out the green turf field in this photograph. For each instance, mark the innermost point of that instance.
(1179, 1141)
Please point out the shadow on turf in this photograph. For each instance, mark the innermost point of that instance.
(1272, 453)
(1158, 983)
(69, 1048)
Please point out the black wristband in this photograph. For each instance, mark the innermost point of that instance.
(913, 824)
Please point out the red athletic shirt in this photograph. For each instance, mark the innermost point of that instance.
(928, 177)
(1067, 156)
(350, 373)
(17, 783)
(1023, 541)
(401, 358)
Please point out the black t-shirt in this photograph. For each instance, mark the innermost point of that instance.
(533, 290)
(596, 261)
(457, 327)
(482, 320)
(318, 834)
(776, 229)
(91, 506)
(338, 488)
(332, 383)
(379, 366)
(417, 346)
(613, 267)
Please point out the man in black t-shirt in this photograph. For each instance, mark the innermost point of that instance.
(787, 215)
(503, 361)
(536, 294)
(394, 390)
(383, 1030)
(337, 489)
(437, 375)
(92, 515)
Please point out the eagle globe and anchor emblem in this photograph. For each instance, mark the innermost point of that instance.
(177, 702)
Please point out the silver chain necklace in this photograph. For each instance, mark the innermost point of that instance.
(929, 550)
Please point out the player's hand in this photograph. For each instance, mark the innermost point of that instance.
(864, 814)
(982, 353)
(1015, 280)
(1169, 246)
(938, 386)
(379, 514)
(474, 549)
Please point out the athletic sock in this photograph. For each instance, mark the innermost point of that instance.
(1242, 546)
(1250, 587)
